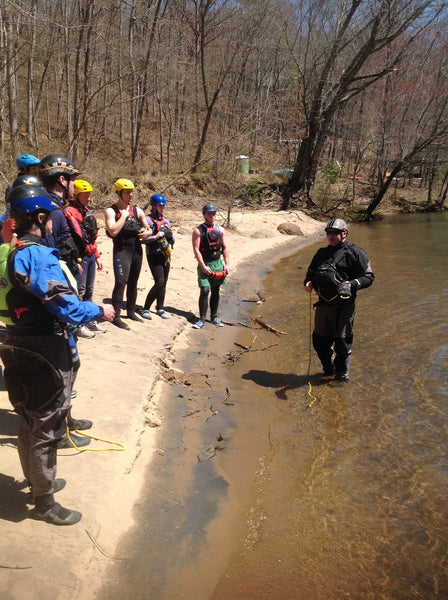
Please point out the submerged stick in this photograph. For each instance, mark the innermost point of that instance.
(269, 327)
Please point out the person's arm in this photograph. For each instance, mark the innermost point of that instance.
(363, 274)
(148, 236)
(38, 271)
(115, 226)
(225, 252)
(145, 232)
(197, 253)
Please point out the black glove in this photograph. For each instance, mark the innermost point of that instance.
(345, 289)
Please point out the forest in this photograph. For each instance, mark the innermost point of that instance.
(330, 100)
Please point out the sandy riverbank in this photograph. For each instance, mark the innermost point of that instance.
(117, 391)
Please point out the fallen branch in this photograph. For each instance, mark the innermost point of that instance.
(191, 412)
(269, 327)
(103, 552)
(213, 411)
(17, 568)
(227, 397)
(234, 356)
(232, 324)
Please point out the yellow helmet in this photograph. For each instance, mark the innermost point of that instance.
(123, 184)
(82, 186)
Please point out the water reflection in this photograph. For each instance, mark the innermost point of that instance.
(351, 502)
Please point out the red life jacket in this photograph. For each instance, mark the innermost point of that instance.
(211, 242)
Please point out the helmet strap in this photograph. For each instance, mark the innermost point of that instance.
(42, 224)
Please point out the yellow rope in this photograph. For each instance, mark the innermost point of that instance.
(328, 299)
(120, 448)
(314, 399)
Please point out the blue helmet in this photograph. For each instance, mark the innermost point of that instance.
(158, 199)
(28, 199)
(209, 207)
(26, 160)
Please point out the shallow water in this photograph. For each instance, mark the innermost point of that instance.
(343, 499)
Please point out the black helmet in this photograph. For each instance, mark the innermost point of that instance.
(339, 224)
(55, 165)
(28, 199)
(26, 180)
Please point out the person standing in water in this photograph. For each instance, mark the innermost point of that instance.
(336, 273)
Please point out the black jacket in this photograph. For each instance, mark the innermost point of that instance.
(350, 263)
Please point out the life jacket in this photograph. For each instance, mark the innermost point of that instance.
(210, 245)
(162, 225)
(326, 279)
(76, 233)
(88, 225)
(18, 307)
(72, 247)
(131, 226)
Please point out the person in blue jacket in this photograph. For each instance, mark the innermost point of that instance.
(37, 358)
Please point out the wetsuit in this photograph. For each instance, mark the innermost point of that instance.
(42, 303)
(335, 310)
(127, 260)
(158, 262)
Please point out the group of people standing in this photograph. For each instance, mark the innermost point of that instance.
(130, 230)
(47, 274)
(48, 263)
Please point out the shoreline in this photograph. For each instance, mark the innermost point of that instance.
(105, 486)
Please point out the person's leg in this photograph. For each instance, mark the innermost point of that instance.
(24, 441)
(134, 273)
(323, 345)
(162, 288)
(73, 423)
(343, 350)
(122, 265)
(157, 292)
(214, 301)
(344, 340)
(81, 278)
(203, 302)
(90, 268)
(43, 454)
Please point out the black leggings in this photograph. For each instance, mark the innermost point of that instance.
(160, 270)
(127, 266)
(214, 301)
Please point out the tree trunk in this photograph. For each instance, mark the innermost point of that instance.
(382, 191)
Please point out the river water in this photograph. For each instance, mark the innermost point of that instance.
(287, 490)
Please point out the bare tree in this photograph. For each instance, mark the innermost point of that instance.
(420, 116)
(342, 58)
